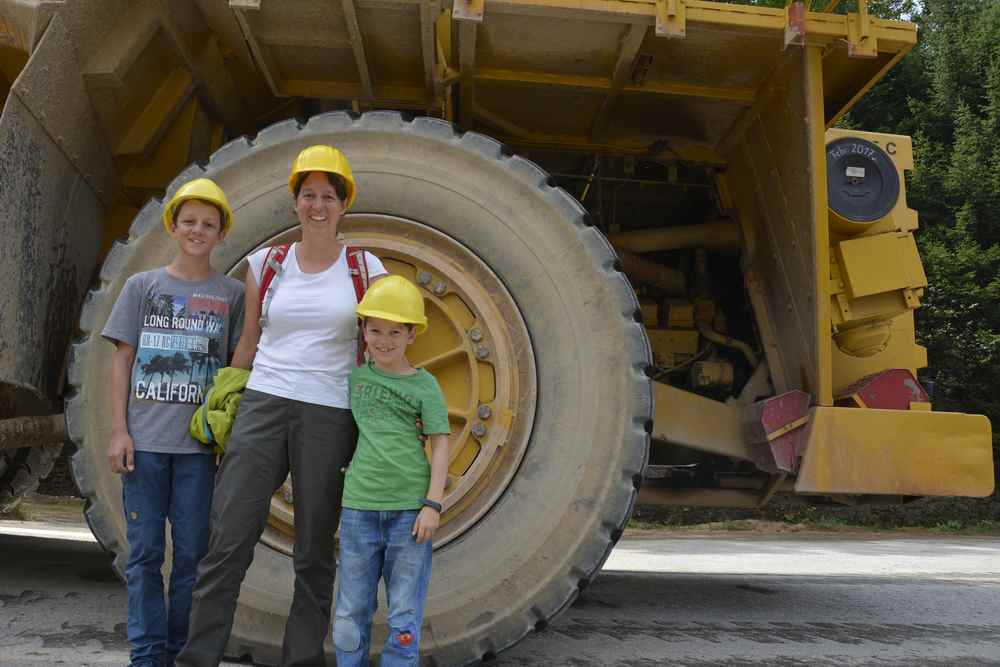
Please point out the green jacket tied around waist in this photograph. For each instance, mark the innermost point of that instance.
(213, 421)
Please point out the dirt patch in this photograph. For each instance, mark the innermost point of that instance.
(980, 515)
(58, 510)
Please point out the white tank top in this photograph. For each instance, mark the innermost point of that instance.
(309, 345)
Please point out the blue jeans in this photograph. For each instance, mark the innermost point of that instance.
(372, 545)
(177, 487)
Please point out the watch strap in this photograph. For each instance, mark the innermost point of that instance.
(427, 502)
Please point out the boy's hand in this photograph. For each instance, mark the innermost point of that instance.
(121, 452)
(426, 524)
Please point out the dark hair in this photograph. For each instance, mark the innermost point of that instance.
(410, 326)
(222, 214)
(336, 180)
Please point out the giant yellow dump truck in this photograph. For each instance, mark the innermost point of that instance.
(649, 260)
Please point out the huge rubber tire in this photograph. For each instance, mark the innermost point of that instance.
(551, 530)
(22, 469)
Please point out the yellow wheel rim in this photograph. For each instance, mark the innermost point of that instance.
(477, 347)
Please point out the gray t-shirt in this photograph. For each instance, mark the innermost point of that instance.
(183, 332)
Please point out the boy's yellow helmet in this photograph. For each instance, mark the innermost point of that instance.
(204, 189)
(323, 158)
(396, 299)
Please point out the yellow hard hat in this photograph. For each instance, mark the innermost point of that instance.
(396, 299)
(323, 158)
(200, 188)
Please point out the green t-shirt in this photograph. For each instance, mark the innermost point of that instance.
(390, 470)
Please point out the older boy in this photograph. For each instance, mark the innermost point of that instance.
(173, 327)
(392, 497)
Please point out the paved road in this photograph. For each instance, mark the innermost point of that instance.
(691, 602)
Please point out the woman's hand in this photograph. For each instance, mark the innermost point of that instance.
(426, 524)
(121, 452)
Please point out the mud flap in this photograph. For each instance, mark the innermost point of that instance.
(57, 178)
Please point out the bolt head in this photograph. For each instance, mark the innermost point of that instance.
(440, 288)
(478, 430)
(476, 335)
(482, 352)
(484, 412)
(424, 278)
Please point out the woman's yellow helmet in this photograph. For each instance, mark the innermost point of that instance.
(323, 158)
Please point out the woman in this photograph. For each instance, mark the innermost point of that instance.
(294, 417)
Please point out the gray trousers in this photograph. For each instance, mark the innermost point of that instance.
(271, 436)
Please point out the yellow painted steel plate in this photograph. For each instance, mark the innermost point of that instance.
(897, 452)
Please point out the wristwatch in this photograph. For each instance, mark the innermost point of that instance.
(427, 502)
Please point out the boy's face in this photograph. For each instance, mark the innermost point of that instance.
(198, 228)
(387, 341)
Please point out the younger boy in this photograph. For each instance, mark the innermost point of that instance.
(173, 327)
(392, 497)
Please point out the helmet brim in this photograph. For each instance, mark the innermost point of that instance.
(418, 327)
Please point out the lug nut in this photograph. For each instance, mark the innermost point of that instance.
(482, 352)
(424, 278)
(440, 288)
(478, 430)
(476, 335)
(484, 412)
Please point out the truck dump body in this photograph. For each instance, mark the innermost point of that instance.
(631, 221)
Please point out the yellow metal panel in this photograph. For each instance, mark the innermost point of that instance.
(821, 248)
(897, 452)
(671, 18)
(650, 312)
(397, 95)
(900, 352)
(883, 263)
(680, 314)
(778, 180)
(116, 225)
(687, 419)
(468, 10)
(667, 343)
(861, 39)
(170, 156)
(165, 104)
(603, 84)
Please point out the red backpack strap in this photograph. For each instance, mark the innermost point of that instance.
(357, 266)
(273, 262)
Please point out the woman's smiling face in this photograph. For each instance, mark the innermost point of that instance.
(317, 205)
